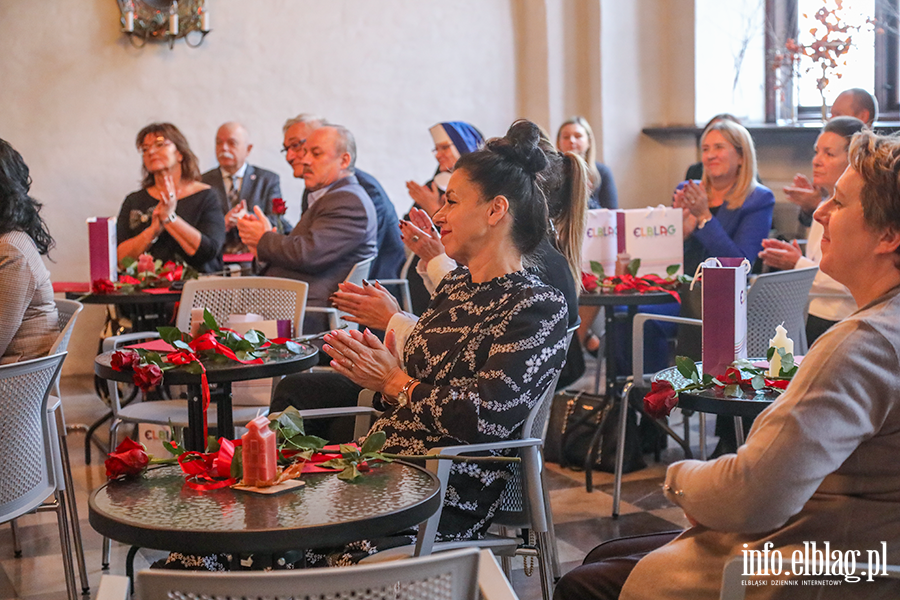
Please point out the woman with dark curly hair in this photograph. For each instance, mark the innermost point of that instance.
(29, 323)
(174, 216)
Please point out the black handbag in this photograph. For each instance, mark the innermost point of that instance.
(574, 421)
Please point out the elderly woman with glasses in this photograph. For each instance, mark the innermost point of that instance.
(174, 216)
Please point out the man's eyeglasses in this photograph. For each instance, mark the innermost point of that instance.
(442, 148)
(159, 144)
(295, 146)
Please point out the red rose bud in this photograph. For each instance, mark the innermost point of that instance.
(128, 459)
(146, 263)
(278, 206)
(102, 286)
(124, 360)
(781, 384)
(661, 399)
(590, 282)
(147, 376)
(129, 280)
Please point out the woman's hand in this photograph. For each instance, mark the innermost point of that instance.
(422, 240)
(780, 255)
(803, 194)
(364, 360)
(168, 198)
(370, 305)
(693, 197)
(233, 215)
(428, 197)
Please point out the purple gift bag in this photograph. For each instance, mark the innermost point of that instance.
(724, 295)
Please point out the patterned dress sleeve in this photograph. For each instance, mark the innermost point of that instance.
(524, 357)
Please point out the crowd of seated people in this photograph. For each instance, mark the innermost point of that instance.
(497, 232)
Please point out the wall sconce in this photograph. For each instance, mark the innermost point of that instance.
(164, 21)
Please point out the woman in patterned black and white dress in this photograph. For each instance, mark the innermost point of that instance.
(488, 346)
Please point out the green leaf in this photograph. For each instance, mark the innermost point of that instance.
(335, 463)
(374, 443)
(182, 345)
(349, 474)
(128, 262)
(758, 382)
(212, 444)
(237, 462)
(169, 334)
(707, 379)
(770, 353)
(193, 368)
(633, 267)
(672, 269)
(733, 391)
(288, 423)
(305, 442)
(695, 378)
(293, 347)
(349, 452)
(254, 337)
(209, 320)
(787, 363)
(686, 366)
(172, 448)
(598, 269)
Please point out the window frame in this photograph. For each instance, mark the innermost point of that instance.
(782, 23)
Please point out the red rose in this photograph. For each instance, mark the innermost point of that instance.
(130, 458)
(589, 282)
(103, 286)
(129, 280)
(147, 376)
(145, 263)
(124, 360)
(661, 399)
(278, 206)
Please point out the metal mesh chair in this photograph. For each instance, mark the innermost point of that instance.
(525, 503)
(402, 283)
(447, 576)
(30, 471)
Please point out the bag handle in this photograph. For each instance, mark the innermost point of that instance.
(713, 262)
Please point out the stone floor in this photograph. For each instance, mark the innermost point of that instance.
(582, 520)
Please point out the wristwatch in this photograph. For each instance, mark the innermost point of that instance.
(403, 399)
(170, 218)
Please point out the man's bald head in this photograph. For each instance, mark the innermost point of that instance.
(232, 146)
(856, 102)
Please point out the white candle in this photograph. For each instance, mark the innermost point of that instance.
(204, 20)
(173, 24)
(129, 21)
(781, 340)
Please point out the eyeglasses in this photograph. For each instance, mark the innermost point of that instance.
(445, 147)
(295, 146)
(159, 144)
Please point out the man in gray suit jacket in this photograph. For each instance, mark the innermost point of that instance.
(334, 233)
(240, 185)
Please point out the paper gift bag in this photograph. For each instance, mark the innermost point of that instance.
(724, 293)
(653, 235)
(102, 248)
(600, 242)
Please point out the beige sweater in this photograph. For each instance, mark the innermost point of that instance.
(821, 464)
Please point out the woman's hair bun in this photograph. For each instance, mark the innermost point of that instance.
(520, 145)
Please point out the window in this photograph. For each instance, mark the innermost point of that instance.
(872, 62)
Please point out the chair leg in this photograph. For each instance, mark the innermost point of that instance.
(65, 543)
(702, 436)
(620, 450)
(106, 546)
(551, 533)
(17, 545)
(70, 498)
(545, 564)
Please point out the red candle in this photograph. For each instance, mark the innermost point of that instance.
(259, 454)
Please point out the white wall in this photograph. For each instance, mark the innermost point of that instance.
(75, 93)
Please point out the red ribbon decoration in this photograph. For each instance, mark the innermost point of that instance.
(209, 471)
(646, 283)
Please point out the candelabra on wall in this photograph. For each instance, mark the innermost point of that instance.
(164, 21)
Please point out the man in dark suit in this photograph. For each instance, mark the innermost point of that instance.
(240, 185)
(390, 251)
(334, 233)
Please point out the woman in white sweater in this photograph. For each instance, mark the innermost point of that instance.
(829, 300)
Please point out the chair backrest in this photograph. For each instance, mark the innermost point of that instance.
(28, 444)
(68, 313)
(445, 576)
(514, 507)
(776, 298)
(360, 271)
(273, 298)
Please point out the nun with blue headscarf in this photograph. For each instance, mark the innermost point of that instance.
(451, 140)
